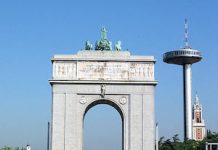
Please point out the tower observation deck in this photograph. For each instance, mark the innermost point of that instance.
(182, 56)
(185, 57)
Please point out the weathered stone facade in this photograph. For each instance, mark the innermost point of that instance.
(115, 78)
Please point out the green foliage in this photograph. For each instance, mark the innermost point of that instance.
(7, 148)
(175, 144)
(16, 148)
(10, 148)
(212, 137)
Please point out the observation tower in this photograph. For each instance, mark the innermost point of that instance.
(186, 57)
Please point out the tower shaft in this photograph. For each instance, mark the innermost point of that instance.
(187, 74)
(185, 57)
(156, 137)
(48, 136)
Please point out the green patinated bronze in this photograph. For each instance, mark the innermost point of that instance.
(88, 45)
(104, 44)
(103, 33)
(117, 46)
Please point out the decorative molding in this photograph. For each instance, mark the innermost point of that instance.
(116, 71)
(123, 100)
(64, 71)
(83, 100)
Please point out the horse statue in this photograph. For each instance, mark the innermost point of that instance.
(88, 45)
(117, 46)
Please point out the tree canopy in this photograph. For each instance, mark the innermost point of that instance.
(175, 144)
(11, 148)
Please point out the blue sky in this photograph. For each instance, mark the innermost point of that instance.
(31, 32)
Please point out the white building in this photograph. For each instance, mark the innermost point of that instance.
(198, 124)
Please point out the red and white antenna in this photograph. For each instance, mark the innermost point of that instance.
(186, 33)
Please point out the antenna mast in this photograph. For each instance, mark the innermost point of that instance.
(186, 33)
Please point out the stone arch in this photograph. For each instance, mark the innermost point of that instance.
(107, 102)
(112, 104)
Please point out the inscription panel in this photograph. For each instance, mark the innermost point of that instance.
(85, 70)
(102, 71)
(64, 71)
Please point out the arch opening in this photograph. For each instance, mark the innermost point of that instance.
(103, 127)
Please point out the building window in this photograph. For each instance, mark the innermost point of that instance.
(198, 117)
(199, 133)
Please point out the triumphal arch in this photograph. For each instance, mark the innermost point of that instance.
(101, 75)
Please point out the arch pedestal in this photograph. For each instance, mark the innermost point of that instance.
(76, 87)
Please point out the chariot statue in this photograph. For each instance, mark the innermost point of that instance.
(103, 44)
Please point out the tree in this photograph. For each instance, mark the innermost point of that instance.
(7, 148)
(212, 137)
(176, 144)
(160, 142)
(166, 145)
(16, 148)
(10, 148)
(191, 145)
(176, 138)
